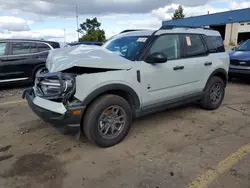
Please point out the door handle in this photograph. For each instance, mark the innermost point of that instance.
(3, 60)
(208, 63)
(178, 68)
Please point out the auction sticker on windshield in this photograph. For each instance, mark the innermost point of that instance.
(142, 39)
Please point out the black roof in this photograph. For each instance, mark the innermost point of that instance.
(179, 26)
(52, 43)
(32, 40)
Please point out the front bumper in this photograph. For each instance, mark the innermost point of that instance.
(239, 70)
(53, 112)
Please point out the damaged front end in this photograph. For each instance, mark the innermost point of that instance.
(58, 86)
(52, 99)
(58, 93)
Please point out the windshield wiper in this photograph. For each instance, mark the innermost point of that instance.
(242, 50)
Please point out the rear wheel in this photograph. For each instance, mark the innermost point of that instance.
(39, 70)
(213, 94)
(108, 120)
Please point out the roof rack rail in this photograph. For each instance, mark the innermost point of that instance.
(130, 30)
(182, 26)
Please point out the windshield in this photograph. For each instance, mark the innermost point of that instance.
(127, 47)
(245, 46)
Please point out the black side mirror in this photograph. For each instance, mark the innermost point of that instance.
(157, 57)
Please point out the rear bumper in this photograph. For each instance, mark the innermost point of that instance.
(53, 112)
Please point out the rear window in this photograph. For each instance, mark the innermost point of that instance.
(214, 44)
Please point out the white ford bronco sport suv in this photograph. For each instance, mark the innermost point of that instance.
(99, 90)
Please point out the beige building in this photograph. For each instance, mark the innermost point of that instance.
(234, 26)
(237, 32)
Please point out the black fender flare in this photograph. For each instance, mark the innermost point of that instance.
(218, 71)
(112, 87)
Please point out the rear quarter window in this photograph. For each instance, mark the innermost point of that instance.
(214, 44)
(42, 47)
(55, 45)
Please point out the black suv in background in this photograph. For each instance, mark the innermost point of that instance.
(21, 59)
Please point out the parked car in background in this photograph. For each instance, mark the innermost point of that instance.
(21, 59)
(99, 90)
(240, 61)
(85, 43)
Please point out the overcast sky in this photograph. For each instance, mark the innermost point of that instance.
(48, 19)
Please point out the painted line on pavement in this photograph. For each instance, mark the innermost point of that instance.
(12, 102)
(209, 176)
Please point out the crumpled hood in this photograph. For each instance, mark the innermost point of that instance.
(240, 55)
(85, 56)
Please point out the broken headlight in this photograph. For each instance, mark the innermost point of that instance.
(55, 85)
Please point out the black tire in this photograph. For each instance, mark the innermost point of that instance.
(206, 102)
(94, 112)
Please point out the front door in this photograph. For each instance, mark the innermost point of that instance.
(163, 81)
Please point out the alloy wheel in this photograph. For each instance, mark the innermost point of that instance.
(216, 93)
(112, 122)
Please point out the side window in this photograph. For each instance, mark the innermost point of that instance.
(193, 46)
(42, 47)
(23, 48)
(214, 44)
(167, 44)
(3, 46)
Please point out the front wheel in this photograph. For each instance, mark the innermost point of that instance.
(213, 94)
(107, 120)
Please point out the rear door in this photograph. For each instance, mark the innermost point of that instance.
(21, 60)
(195, 57)
(217, 55)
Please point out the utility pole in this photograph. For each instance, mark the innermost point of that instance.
(77, 28)
(64, 30)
